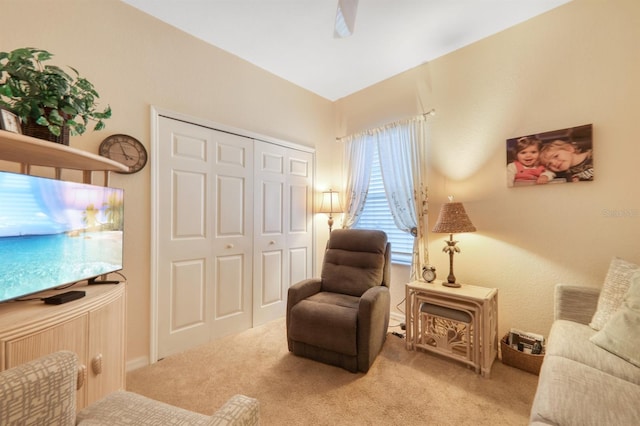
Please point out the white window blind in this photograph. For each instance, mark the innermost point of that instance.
(377, 215)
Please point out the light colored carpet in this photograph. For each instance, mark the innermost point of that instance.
(401, 388)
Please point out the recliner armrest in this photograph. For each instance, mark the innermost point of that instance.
(374, 302)
(374, 293)
(298, 292)
(303, 289)
(373, 320)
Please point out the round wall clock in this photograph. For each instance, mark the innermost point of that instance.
(428, 273)
(125, 149)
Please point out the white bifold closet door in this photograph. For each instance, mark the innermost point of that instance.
(233, 232)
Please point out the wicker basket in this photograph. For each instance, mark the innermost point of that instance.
(42, 132)
(524, 361)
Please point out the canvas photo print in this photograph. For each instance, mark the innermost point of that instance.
(558, 156)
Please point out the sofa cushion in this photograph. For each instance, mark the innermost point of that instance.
(616, 284)
(571, 340)
(621, 334)
(571, 393)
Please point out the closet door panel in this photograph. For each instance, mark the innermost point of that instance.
(270, 223)
(184, 236)
(204, 233)
(232, 213)
(299, 235)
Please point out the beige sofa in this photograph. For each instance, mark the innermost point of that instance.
(43, 392)
(580, 383)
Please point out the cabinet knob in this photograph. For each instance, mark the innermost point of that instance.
(229, 246)
(96, 364)
(272, 242)
(82, 376)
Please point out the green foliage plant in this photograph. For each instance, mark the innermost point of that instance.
(46, 94)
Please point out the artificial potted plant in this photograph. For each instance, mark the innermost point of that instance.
(51, 103)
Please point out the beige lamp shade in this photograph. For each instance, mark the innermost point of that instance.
(453, 219)
(330, 202)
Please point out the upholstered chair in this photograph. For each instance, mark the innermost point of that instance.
(43, 392)
(342, 317)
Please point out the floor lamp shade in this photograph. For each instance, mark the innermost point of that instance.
(453, 219)
(330, 205)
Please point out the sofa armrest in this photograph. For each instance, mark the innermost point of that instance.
(123, 408)
(575, 303)
(238, 410)
(42, 391)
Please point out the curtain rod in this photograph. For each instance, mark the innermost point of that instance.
(395, 123)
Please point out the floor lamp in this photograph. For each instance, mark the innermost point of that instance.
(452, 219)
(330, 205)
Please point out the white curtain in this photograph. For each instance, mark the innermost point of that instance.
(401, 148)
(401, 151)
(358, 156)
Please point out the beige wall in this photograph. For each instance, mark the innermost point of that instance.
(574, 65)
(135, 62)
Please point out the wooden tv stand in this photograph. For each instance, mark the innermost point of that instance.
(92, 327)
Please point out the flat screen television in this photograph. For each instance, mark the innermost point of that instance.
(55, 232)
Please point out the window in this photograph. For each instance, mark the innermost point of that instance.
(377, 215)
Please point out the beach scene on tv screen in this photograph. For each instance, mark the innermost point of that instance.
(56, 232)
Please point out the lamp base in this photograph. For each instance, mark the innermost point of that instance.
(451, 248)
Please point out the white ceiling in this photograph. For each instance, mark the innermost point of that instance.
(294, 39)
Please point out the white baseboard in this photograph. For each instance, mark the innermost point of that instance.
(136, 363)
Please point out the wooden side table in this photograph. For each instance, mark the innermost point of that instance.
(480, 303)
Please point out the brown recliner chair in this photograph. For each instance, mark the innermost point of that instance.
(342, 318)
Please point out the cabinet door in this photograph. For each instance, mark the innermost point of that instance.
(106, 357)
(70, 335)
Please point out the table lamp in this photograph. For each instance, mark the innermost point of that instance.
(452, 219)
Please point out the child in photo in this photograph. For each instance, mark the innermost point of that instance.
(526, 168)
(566, 160)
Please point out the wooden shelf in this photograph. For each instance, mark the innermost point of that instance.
(35, 152)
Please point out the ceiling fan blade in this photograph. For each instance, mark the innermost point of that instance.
(345, 18)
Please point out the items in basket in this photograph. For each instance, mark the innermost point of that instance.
(527, 342)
